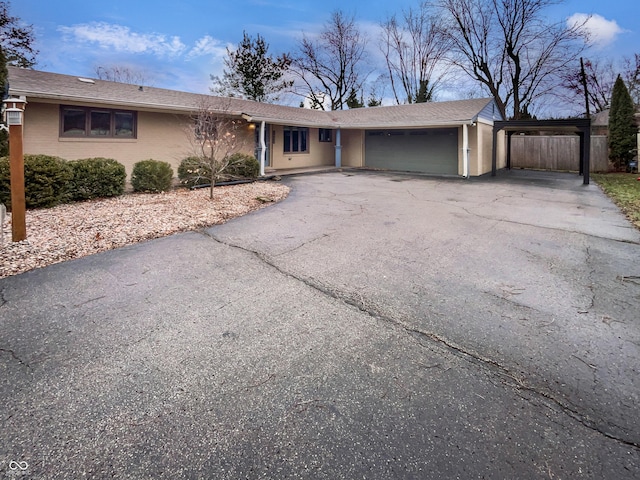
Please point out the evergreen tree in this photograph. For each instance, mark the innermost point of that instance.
(253, 74)
(374, 101)
(622, 129)
(353, 101)
(425, 93)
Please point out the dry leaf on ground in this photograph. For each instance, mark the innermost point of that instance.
(79, 229)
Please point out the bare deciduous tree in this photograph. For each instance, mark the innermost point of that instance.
(122, 74)
(599, 78)
(631, 76)
(414, 47)
(215, 137)
(331, 64)
(511, 48)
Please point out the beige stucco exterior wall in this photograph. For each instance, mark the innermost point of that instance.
(501, 150)
(485, 147)
(160, 136)
(319, 153)
(352, 148)
(481, 147)
(474, 151)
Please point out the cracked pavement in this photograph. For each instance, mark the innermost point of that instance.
(372, 325)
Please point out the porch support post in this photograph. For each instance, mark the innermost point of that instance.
(338, 149)
(263, 148)
(465, 150)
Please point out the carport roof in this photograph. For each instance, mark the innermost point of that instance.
(68, 89)
(581, 126)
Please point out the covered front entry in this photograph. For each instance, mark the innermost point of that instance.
(432, 150)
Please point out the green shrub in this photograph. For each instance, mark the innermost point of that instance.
(46, 181)
(151, 176)
(192, 171)
(96, 177)
(242, 166)
(5, 185)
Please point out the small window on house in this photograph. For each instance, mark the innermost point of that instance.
(324, 135)
(100, 123)
(74, 122)
(124, 126)
(97, 122)
(295, 139)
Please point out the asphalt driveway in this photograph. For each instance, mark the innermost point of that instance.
(370, 326)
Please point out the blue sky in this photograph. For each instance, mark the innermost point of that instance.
(179, 43)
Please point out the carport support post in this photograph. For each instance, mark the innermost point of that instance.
(493, 151)
(586, 154)
(338, 149)
(509, 150)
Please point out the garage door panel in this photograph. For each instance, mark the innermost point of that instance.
(428, 151)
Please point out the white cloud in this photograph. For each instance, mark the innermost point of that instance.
(121, 39)
(602, 32)
(208, 46)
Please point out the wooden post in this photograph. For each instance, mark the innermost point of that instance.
(15, 119)
(16, 162)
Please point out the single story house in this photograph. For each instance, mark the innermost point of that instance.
(74, 117)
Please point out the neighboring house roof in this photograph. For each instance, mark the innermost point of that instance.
(601, 119)
(69, 89)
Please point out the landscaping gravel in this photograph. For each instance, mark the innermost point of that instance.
(79, 229)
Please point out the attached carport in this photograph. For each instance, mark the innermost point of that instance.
(580, 126)
(433, 150)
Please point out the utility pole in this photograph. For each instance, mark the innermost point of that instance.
(583, 80)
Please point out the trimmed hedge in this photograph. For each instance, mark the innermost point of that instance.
(46, 180)
(242, 166)
(151, 176)
(193, 171)
(96, 177)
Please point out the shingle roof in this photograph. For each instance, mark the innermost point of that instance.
(70, 89)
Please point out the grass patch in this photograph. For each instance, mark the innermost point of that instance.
(624, 190)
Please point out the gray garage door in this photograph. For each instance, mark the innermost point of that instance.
(427, 151)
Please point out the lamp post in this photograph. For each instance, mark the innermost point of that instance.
(14, 112)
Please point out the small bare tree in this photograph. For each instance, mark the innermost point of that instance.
(215, 136)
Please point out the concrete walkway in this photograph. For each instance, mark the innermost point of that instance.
(370, 326)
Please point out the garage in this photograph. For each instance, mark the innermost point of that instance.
(433, 150)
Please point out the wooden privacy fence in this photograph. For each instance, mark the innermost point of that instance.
(557, 152)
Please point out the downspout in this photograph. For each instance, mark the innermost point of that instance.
(338, 149)
(465, 150)
(263, 148)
